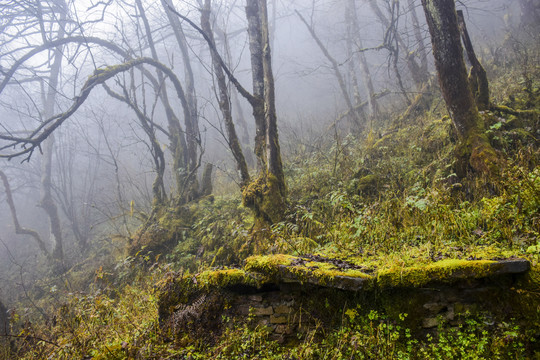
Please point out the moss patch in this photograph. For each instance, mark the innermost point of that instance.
(442, 271)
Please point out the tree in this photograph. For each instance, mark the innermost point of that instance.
(474, 150)
(224, 99)
(266, 194)
(355, 115)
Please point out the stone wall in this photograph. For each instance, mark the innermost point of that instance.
(291, 307)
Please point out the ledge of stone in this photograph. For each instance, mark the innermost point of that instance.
(289, 270)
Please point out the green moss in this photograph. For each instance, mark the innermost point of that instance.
(315, 272)
(163, 231)
(225, 278)
(449, 270)
(369, 184)
(268, 264)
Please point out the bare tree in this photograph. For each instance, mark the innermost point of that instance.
(395, 43)
(337, 73)
(267, 194)
(224, 99)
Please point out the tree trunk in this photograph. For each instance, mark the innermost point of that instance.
(419, 77)
(474, 149)
(477, 77)
(47, 202)
(19, 230)
(422, 53)
(183, 151)
(206, 183)
(257, 75)
(267, 194)
(224, 100)
(351, 17)
(192, 122)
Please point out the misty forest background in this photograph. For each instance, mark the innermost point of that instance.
(141, 138)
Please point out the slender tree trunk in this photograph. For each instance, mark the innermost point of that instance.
(4, 321)
(352, 16)
(224, 100)
(192, 123)
(422, 53)
(47, 202)
(359, 123)
(240, 118)
(266, 195)
(158, 187)
(477, 77)
(257, 74)
(419, 77)
(183, 152)
(206, 183)
(474, 149)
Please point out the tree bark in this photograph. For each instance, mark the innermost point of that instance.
(477, 77)
(266, 195)
(192, 123)
(183, 151)
(474, 150)
(257, 75)
(422, 53)
(224, 100)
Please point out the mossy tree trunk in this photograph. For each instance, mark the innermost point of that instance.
(474, 150)
(477, 77)
(267, 194)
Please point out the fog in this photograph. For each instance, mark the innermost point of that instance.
(102, 161)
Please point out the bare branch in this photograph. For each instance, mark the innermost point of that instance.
(34, 140)
(18, 228)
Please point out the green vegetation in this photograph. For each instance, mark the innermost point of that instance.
(387, 208)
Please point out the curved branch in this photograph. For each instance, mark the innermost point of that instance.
(36, 137)
(68, 40)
